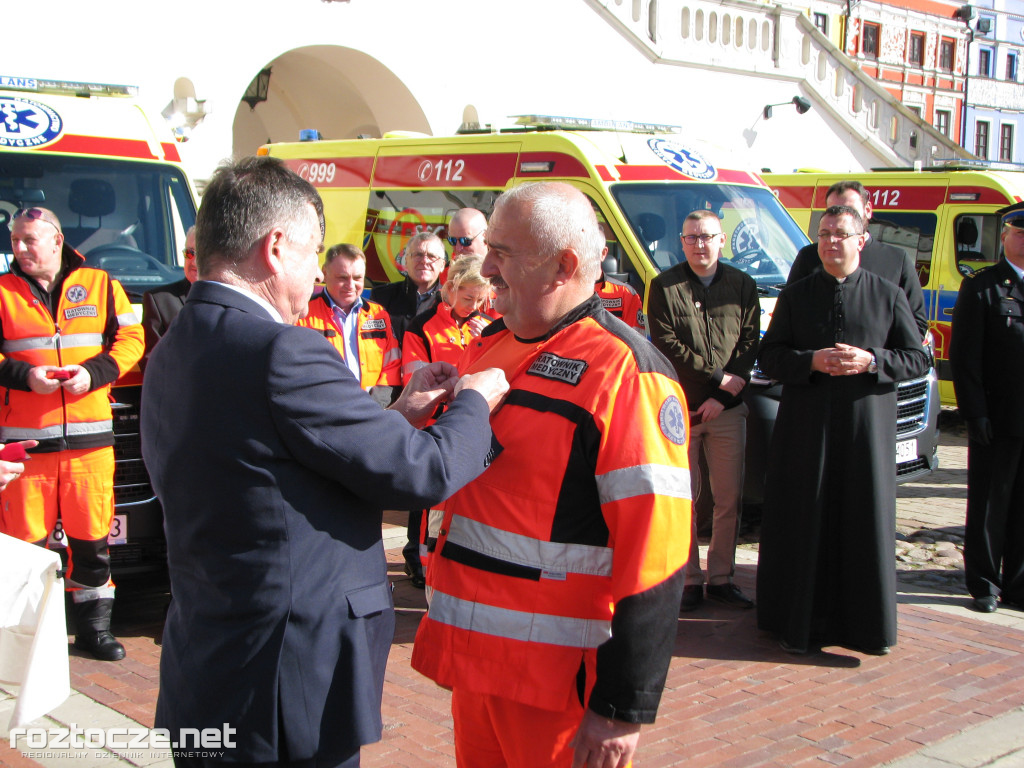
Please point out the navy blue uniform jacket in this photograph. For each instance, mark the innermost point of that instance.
(273, 467)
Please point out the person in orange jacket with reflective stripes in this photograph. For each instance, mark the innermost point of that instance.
(442, 332)
(358, 328)
(622, 301)
(67, 333)
(558, 572)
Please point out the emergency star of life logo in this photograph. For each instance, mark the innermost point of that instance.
(76, 293)
(687, 161)
(557, 368)
(671, 421)
(25, 123)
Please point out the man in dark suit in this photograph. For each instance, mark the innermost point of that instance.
(883, 259)
(986, 353)
(161, 305)
(273, 466)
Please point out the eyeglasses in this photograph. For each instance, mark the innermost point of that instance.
(837, 235)
(188, 253)
(426, 257)
(465, 242)
(34, 214)
(704, 239)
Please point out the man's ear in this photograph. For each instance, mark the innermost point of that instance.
(271, 251)
(567, 267)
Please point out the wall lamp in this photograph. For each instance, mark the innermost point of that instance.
(802, 105)
(258, 89)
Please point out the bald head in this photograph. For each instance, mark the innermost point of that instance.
(471, 224)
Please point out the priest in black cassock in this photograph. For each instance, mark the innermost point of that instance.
(839, 340)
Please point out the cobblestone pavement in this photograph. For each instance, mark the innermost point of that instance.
(950, 693)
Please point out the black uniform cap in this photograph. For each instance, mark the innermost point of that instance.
(1013, 215)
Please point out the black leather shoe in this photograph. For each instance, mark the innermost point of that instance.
(729, 594)
(796, 649)
(881, 650)
(984, 604)
(693, 596)
(1007, 602)
(415, 574)
(101, 645)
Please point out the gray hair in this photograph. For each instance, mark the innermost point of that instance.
(243, 202)
(560, 216)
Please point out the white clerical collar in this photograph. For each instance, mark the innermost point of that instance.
(258, 299)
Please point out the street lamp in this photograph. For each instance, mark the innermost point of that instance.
(802, 105)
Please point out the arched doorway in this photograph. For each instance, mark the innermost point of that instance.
(341, 92)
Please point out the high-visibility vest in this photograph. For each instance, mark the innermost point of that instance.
(622, 301)
(93, 316)
(586, 505)
(380, 359)
(434, 336)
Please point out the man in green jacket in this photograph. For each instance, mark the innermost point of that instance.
(704, 316)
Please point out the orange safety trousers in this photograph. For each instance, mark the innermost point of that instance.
(492, 731)
(78, 483)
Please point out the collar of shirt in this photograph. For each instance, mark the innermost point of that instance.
(340, 313)
(258, 299)
(1015, 268)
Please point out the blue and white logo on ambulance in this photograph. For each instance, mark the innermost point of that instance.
(687, 161)
(746, 239)
(671, 421)
(25, 123)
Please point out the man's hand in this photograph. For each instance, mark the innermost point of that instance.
(490, 383)
(604, 743)
(709, 409)
(732, 383)
(428, 387)
(979, 430)
(841, 360)
(79, 382)
(40, 382)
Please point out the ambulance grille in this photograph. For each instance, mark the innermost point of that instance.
(131, 480)
(911, 406)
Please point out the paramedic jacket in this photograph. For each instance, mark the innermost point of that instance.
(558, 572)
(95, 327)
(380, 359)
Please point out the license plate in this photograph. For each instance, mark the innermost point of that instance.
(906, 450)
(118, 533)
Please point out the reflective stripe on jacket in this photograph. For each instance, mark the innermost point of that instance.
(94, 317)
(563, 562)
(380, 359)
(434, 336)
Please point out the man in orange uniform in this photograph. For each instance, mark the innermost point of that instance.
(359, 329)
(622, 301)
(67, 332)
(558, 572)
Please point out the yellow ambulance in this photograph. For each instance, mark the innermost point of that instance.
(90, 153)
(642, 179)
(944, 217)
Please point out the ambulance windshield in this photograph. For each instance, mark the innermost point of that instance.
(128, 218)
(761, 237)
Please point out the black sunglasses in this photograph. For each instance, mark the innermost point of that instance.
(465, 242)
